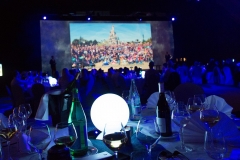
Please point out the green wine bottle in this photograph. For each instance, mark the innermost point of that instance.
(78, 118)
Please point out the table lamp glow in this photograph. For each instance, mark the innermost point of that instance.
(109, 108)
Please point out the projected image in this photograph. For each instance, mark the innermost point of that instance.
(110, 44)
(105, 44)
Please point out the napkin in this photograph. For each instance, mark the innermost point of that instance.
(42, 111)
(220, 103)
(152, 100)
(195, 129)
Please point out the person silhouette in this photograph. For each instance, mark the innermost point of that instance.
(52, 63)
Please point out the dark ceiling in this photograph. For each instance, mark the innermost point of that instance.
(113, 7)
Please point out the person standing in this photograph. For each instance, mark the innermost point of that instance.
(52, 62)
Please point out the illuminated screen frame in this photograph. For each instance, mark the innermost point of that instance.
(58, 39)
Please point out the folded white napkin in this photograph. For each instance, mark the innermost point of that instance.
(152, 100)
(42, 111)
(195, 129)
(220, 103)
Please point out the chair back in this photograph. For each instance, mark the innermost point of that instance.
(186, 90)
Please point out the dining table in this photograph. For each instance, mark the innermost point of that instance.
(97, 146)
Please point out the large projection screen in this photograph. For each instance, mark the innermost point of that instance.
(105, 44)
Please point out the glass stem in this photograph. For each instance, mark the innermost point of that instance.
(40, 154)
(8, 151)
(181, 137)
(116, 154)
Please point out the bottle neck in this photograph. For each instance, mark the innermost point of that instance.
(161, 87)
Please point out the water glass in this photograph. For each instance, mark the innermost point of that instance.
(214, 145)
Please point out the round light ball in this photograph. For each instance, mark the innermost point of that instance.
(109, 108)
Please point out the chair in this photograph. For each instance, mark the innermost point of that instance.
(38, 91)
(186, 90)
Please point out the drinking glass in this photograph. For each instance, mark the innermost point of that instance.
(142, 137)
(15, 123)
(65, 134)
(25, 111)
(7, 134)
(125, 95)
(194, 104)
(209, 114)
(26, 108)
(170, 98)
(39, 138)
(202, 97)
(181, 117)
(114, 136)
(214, 145)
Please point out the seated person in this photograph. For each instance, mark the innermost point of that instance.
(65, 79)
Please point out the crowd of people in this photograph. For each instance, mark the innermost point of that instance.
(93, 83)
(123, 53)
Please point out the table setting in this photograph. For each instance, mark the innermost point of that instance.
(143, 138)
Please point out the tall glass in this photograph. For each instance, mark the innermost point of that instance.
(194, 104)
(39, 137)
(181, 117)
(209, 115)
(114, 136)
(214, 145)
(65, 134)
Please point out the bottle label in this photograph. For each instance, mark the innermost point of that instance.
(161, 123)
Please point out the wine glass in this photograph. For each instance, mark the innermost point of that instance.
(7, 134)
(39, 137)
(28, 109)
(143, 137)
(125, 95)
(114, 136)
(170, 98)
(181, 117)
(194, 104)
(25, 111)
(214, 145)
(202, 97)
(65, 134)
(209, 114)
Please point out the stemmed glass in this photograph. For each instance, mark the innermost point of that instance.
(65, 134)
(170, 98)
(209, 114)
(114, 136)
(24, 111)
(215, 146)
(142, 137)
(202, 97)
(7, 134)
(181, 117)
(194, 104)
(39, 137)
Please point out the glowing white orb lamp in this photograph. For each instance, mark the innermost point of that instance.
(109, 108)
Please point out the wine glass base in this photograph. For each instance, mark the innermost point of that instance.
(184, 149)
(37, 157)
